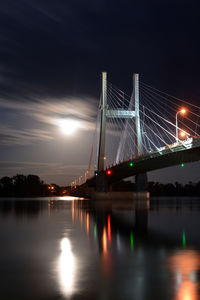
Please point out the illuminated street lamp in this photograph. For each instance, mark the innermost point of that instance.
(182, 111)
(183, 134)
(79, 180)
(86, 175)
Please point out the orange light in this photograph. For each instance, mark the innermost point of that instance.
(183, 111)
(88, 223)
(108, 172)
(81, 219)
(104, 158)
(104, 240)
(72, 206)
(183, 134)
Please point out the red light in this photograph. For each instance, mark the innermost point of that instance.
(108, 172)
(109, 230)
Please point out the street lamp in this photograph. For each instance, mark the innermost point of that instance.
(182, 111)
(79, 180)
(183, 134)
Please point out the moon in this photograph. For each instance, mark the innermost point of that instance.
(68, 126)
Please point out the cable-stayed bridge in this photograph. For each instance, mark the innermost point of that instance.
(137, 133)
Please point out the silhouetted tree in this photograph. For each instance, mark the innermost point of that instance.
(29, 186)
(169, 189)
(19, 185)
(33, 185)
(6, 186)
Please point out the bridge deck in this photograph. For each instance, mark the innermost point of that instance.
(153, 161)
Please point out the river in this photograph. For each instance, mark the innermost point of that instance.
(69, 248)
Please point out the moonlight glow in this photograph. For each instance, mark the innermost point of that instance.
(68, 127)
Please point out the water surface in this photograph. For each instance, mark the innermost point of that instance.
(61, 248)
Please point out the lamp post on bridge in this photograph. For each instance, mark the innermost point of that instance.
(79, 180)
(182, 111)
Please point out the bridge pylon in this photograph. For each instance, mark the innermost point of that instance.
(140, 179)
(135, 95)
(101, 180)
(103, 106)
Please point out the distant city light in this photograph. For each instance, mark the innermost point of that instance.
(108, 172)
(50, 187)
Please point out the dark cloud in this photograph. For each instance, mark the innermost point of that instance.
(59, 48)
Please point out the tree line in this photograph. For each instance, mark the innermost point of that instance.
(32, 186)
(28, 186)
(174, 189)
(158, 189)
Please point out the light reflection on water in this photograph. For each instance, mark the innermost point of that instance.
(183, 266)
(186, 265)
(66, 267)
(99, 251)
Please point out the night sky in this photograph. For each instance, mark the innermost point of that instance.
(52, 54)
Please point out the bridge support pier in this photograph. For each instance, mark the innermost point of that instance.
(101, 183)
(104, 191)
(141, 182)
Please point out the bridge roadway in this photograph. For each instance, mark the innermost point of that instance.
(153, 161)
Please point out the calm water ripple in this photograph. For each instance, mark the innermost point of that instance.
(66, 248)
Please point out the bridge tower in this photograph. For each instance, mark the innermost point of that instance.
(101, 182)
(141, 179)
(103, 107)
(135, 94)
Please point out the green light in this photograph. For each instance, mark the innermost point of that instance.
(131, 240)
(95, 230)
(131, 164)
(182, 165)
(184, 240)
